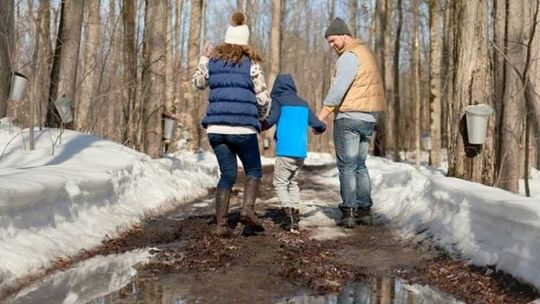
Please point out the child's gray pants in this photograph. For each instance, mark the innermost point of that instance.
(285, 180)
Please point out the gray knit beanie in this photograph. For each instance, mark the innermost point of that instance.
(337, 27)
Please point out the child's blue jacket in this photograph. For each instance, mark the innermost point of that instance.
(292, 116)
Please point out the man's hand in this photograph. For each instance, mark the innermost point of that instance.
(323, 114)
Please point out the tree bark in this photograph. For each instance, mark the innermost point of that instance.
(45, 60)
(417, 82)
(353, 10)
(66, 57)
(83, 107)
(379, 148)
(396, 104)
(472, 84)
(169, 57)
(435, 65)
(153, 78)
(6, 48)
(513, 105)
(130, 118)
(191, 99)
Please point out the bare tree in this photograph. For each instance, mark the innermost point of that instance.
(353, 11)
(153, 78)
(87, 91)
(512, 104)
(44, 60)
(396, 104)
(379, 148)
(193, 56)
(169, 60)
(417, 80)
(6, 43)
(129, 117)
(471, 84)
(435, 65)
(66, 57)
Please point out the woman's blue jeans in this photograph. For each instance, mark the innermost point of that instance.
(227, 147)
(351, 140)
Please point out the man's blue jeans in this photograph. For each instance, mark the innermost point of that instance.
(227, 147)
(351, 140)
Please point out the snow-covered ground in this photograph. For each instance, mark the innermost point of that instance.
(55, 204)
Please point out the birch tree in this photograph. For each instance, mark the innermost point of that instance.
(435, 65)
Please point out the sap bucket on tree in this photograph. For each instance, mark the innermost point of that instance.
(64, 107)
(477, 117)
(16, 89)
(426, 141)
(169, 127)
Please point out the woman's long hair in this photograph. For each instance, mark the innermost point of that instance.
(234, 53)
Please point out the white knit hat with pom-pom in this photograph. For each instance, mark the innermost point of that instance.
(238, 31)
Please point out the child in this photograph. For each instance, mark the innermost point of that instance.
(292, 116)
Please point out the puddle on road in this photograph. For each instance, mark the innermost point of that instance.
(112, 280)
(385, 290)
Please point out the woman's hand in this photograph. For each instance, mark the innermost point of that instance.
(207, 49)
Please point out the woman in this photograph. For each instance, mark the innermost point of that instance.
(238, 100)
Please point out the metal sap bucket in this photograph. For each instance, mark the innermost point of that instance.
(169, 128)
(477, 117)
(64, 107)
(427, 142)
(17, 86)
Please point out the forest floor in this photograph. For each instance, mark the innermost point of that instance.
(277, 264)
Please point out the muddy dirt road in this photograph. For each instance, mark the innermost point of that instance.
(321, 263)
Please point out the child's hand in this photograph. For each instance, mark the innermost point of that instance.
(264, 125)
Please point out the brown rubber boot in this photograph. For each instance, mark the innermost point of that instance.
(222, 209)
(247, 214)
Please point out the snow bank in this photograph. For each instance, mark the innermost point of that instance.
(486, 225)
(54, 205)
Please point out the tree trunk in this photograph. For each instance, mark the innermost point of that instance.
(45, 61)
(417, 82)
(6, 47)
(192, 100)
(513, 103)
(379, 148)
(153, 78)
(169, 66)
(396, 106)
(353, 10)
(130, 117)
(472, 84)
(66, 56)
(435, 65)
(83, 120)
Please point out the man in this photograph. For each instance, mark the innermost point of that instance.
(355, 97)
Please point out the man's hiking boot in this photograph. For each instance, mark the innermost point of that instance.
(348, 219)
(291, 217)
(359, 214)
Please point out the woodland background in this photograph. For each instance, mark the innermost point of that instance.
(127, 64)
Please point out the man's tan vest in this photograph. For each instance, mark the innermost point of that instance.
(366, 93)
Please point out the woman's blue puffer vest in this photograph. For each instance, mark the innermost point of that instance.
(232, 98)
